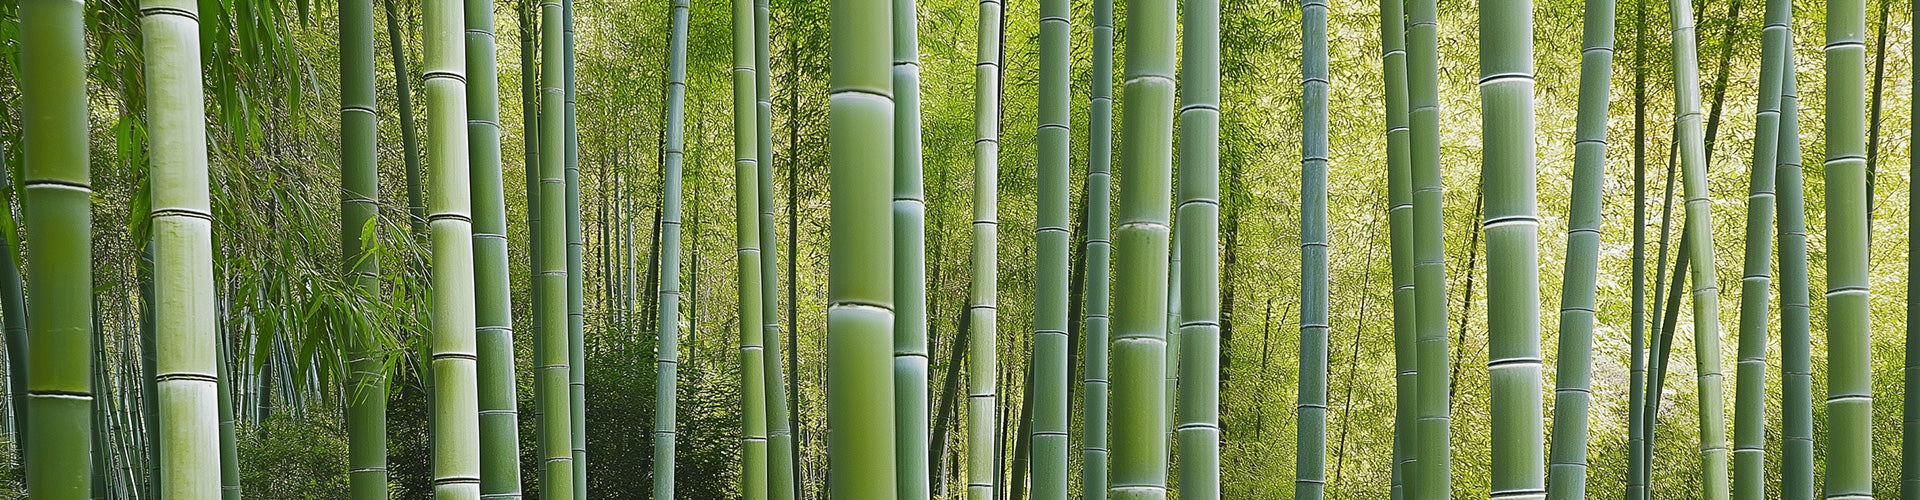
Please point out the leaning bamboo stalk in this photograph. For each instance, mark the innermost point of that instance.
(1796, 357)
(860, 307)
(1310, 467)
(495, 385)
(57, 207)
(666, 391)
(1400, 238)
(1573, 393)
(1139, 349)
(1699, 230)
(780, 451)
(182, 237)
(1849, 358)
(1750, 391)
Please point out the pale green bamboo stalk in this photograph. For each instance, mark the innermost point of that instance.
(13, 310)
(910, 378)
(182, 230)
(1093, 465)
(1199, 215)
(1406, 379)
(359, 208)
(754, 476)
(1310, 465)
(1139, 418)
(1750, 391)
(1699, 229)
(1849, 347)
(495, 386)
(553, 360)
(58, 213)
(666, 393)
(983, 378)
(576, 273)
(1512, 227)
(530, 103)
(456, 415)
(1433, 477)
(1573, 392)
(1051, 242)
(1796, 363)
(780, 450)
(860, 307)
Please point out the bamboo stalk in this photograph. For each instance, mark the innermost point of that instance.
(860, 307)
(1139, 348)
(552, 347)
(1699, 229)
(909, 261)
(1849, 458)
(666, 393)
(1099, 187)
(1310, 467)
(983, 378)
(57, 208)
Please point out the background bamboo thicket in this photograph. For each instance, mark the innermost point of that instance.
(586, 248)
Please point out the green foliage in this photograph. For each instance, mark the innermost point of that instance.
(289, 456)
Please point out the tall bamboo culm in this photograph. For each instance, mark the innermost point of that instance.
(1849, 461)
(530, 103)
(498, 398)
(1199, 214)
(1310, 467)
(983, 379)
(1406, 378)
(1512, 227)
(576, 274)
(58, 213)
(1910, 407)
(860, 309)
(666, 391)
(359, 208)
(1637, 341)
(1796, 343)
(1699, 231)
(780, 450)
(746, 176)
(909, 262)
(182, 232)
(1093, 465)
(1139, 418)
(456, 415)
(1051, 242)
(1750, 391)
(1573, 394)
(1433, 476)
(552, 346)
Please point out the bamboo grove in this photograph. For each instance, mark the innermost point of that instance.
(967, 249)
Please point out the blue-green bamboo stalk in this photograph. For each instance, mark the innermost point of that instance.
(666, 391)
(1310, 466)
(1093, 465)
(1573, 393)
(909, 262)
